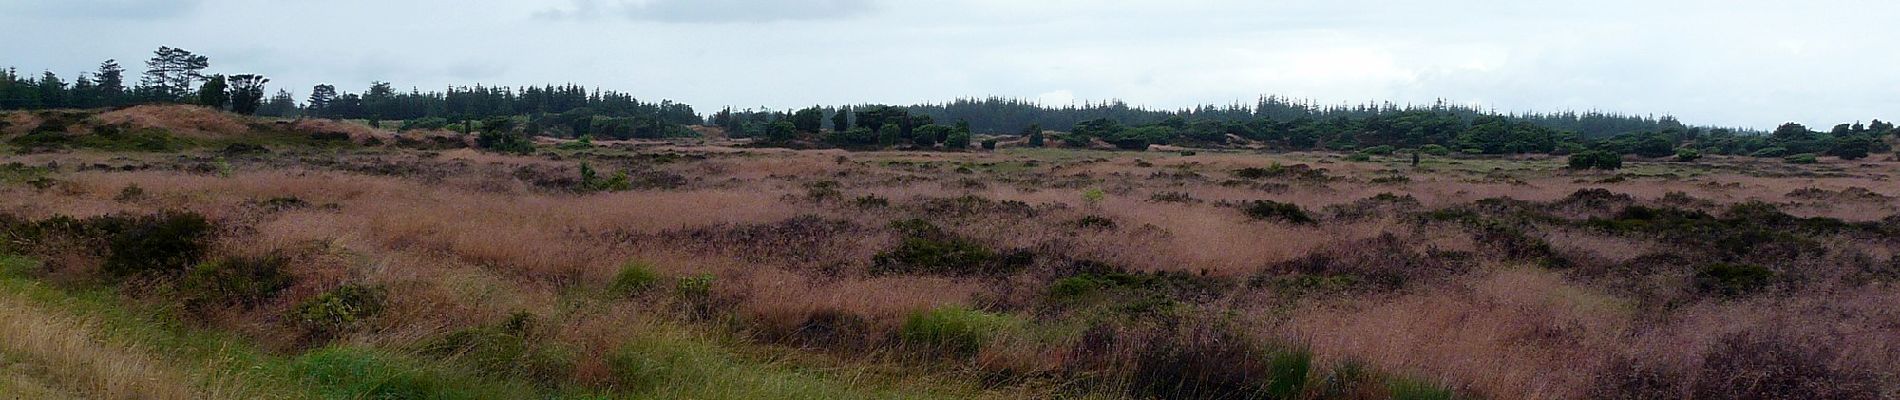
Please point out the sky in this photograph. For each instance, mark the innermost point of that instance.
(1741, 63)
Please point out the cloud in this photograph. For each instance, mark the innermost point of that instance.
(113, 9)
(713, 11)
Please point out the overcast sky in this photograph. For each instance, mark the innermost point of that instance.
(1735, 62)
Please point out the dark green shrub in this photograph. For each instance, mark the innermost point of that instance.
(1688, 154)
(695, 287)
(953, 329)
(1272, 210)
(953, 256)
(1380, 150)
(989, 144)
(1095, 222)
(634, 278)
(1770, 152)
(1732, 280)
(234, 281)
(1596, 159)
(340, 308)
(1358, 157)
(164, 243)
(243, 149)
(1436, 150)
(1803, 158)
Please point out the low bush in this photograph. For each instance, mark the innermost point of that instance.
(1436, 150)
(1732, 280)
(339, 309)
(160, 244)
(1803, 158)
(234, 281)
(953, 329)
(1688, 155)
(633, 279)
(1596, 159)
(1380, 150)
(1263, 210)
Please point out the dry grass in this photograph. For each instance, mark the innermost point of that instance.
(182, 120)
(464, 240)
(76, 359)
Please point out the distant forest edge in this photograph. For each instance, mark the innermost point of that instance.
(179, 76)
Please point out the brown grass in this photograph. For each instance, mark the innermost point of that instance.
(182, 120)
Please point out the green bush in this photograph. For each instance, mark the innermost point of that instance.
(1770, 152)
(350, 373)
(1273, 210)
(1380, 150)
(989, 144)
(1358, 157)
(339, 308)
(240, 281)
(425, 123)
(164, 243)
(953, 329)
(1803, 158)
(695, 287)
(1436, 150)
(634, 278)
(1732, 280)
(1596, 159)
(1688, 154)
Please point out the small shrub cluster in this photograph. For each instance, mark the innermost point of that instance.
(234, 281)
(953, 329)
(927, 249)
(1269, 210)
(339, 309)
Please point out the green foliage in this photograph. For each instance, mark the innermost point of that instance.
(1261, 210)
(234, 281)
(1770, 152)
(1732, 280)
(1358, 157)
(989, 144)
(810, 119)
(1407, 389)
(927, 249)
(426, 123)
(953, 329)
(103, 137)
(635, 277)
(695, 287)
(498, 135)
(512, 349)
(1380, 150)
(591, 181)
(340, 308)
(854, 137)
(1034, 133)
(957, 140)
(1436, 150)
(1852, 147)
(1688, 155)
(164, 243)
(1596, 159)
(1803, 158)
(1093, 197)
(353, 373)
(781, 132)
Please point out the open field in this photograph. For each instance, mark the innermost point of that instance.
(332, 260)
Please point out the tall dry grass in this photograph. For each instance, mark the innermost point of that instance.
(74, 355)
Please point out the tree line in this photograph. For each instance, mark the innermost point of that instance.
(179, 76)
